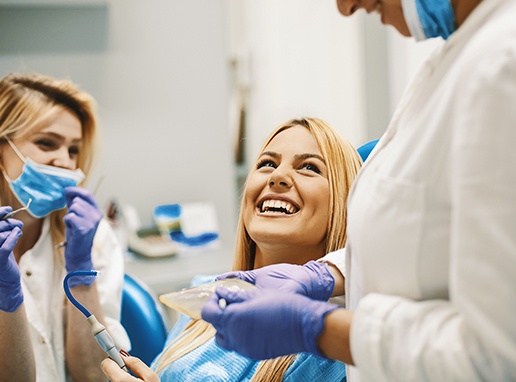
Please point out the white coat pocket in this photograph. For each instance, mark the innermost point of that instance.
(391, 214)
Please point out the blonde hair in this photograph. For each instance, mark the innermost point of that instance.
(27, 101)
(343, 163)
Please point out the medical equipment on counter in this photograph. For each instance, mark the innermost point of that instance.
(190, 301)
(12, 213)
(97, 329)
(145, 241)
(150, 242)
(190, 225)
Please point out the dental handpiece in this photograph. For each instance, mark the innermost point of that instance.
(105, 341)
(97, 329)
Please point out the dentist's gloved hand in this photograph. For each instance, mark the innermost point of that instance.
(313, 279)
(11, 295)
(266, 323)
(81, 221)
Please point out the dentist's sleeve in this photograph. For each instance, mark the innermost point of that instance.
(337, 258)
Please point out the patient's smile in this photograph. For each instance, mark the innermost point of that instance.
(278, 207)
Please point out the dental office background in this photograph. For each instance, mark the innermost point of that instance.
(188, 90)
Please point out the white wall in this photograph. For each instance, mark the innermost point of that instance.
(159, 71)
(300, 58)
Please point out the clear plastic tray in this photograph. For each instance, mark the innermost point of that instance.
(189, 301)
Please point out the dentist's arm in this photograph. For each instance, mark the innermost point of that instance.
(16, 356)
(333, 341)
(83, 354)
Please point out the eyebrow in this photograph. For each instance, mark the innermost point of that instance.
(57, 136)
(309, 156)
(297, 156)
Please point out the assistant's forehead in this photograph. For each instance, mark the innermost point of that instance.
(63, 124)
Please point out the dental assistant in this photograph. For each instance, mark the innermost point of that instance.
(430, 261)
(47, 137)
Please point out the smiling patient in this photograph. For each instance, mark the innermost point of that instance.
(293, 211)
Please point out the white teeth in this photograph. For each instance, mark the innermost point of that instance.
(279, 206)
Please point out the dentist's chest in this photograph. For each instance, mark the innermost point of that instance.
(399, 211)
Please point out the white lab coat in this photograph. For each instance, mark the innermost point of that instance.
(44, 298)
(337, 258)
(431, 251)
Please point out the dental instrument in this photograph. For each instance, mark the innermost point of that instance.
(12, 213)
(97, 329)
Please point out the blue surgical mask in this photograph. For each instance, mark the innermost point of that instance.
(43, 184)
(429, 18)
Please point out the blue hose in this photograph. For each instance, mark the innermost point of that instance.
(68, 293)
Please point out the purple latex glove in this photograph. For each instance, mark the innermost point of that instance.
(313, 279)
(81, 221)
(265, 323)
(11, 295)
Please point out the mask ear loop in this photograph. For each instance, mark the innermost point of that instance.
(4, 173)
(15, 149)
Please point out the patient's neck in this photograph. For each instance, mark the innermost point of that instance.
(267, 254)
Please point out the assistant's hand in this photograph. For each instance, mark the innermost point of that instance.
(11, 295)
(111, 369)
(313, 279)
(81, 221)
(266, 323)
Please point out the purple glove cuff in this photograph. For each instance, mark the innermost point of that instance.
(11, 297)
(313, 322)
(85, 265)
(323, 282)
(80, 280)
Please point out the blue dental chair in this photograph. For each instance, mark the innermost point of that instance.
(144, 320)
(366, 149)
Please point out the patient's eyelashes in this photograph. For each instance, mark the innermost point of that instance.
(311, 167)
(266, 163)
